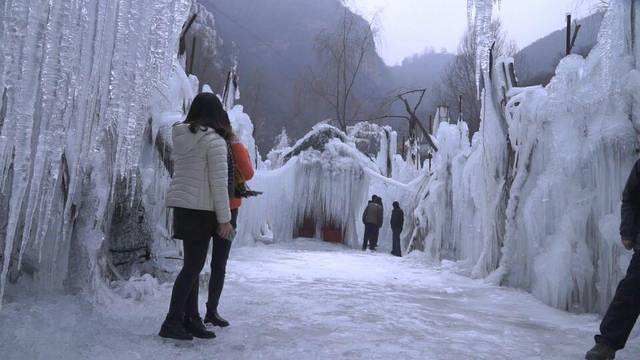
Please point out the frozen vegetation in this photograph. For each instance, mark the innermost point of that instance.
(534, 200)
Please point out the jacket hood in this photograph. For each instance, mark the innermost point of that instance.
(184, 140)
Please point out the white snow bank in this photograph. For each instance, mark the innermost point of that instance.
(312, 300)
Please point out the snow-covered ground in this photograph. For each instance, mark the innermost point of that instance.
(311, 300)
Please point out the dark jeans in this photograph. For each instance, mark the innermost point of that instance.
(220, 254)
(624, 308)
(194, 228)
(371, 232)
(395, 250)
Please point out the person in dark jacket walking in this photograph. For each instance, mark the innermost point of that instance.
(372, 219)
(397, 222)
(624, 308)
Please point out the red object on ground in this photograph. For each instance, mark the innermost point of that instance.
(307, 229)
(332, 234)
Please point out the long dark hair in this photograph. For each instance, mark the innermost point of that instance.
(207, 112)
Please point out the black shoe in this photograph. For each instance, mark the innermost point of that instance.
(172, 329)
(601, 352)
(195, 326)
(216, 320)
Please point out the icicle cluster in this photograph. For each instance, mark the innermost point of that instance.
(534, 201)
(76, 78)
(479, 13)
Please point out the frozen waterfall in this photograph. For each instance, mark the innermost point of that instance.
(76, 78)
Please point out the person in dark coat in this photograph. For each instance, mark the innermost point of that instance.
(624, 308)
(379, 222)
(372, 219)
(397, 222)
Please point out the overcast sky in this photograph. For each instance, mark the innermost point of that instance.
(408, 27)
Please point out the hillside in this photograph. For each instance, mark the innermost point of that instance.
(274, 41)
(422, 70)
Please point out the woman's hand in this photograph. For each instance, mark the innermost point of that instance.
(225, 230)
(628, 244)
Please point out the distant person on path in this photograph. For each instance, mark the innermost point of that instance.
(199, 196)
(625, 306)
(240, 164)
(372, 219)
(397, 222)
(378, 200)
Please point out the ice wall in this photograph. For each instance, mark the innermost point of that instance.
(534, 201)
(76, 78)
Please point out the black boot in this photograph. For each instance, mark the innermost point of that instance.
(194, 325)
(215, 319)
(173, 328)
(601, 352)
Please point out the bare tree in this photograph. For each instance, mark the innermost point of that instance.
(343, 54)
(411, 115)
(459, 79)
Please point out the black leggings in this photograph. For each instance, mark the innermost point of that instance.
(220, 254)
(184, 298)
(195, 228)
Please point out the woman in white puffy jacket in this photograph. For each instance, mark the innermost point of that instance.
(199, 196)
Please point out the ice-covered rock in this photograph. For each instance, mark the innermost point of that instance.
(377, 142)
(75, 79)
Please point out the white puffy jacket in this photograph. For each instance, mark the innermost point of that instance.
(200, 179)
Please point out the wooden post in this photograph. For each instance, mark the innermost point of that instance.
(183, 34)
(193, 55)
(459, 108)
(491, 60)
(633, 28)
(568, 40)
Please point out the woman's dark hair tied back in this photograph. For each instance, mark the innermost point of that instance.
(206, 112)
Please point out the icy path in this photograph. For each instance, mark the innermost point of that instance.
(314, 301)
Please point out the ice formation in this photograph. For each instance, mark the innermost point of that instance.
(75, 79)
(379, 142)
(324, 178)
(275, 157)
(533, 202)
(479, 13)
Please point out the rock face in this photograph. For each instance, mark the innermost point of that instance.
(130, 236)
